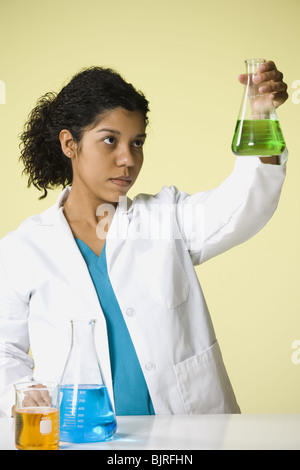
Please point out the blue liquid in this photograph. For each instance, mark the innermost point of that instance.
(86, 414)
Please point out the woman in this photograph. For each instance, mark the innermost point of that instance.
(129, 264)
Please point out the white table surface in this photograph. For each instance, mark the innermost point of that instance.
(190, 432)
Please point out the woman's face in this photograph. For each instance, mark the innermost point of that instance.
(109, 157)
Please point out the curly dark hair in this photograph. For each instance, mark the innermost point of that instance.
(77, 107)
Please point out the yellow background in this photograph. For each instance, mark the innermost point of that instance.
(185, 56)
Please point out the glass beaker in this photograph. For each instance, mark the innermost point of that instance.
(36, 416)
(86, 412)
(257, 130)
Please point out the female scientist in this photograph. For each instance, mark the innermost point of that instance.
(127, 263)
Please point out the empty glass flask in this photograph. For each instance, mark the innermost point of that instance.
(257, 130)
(86, 412)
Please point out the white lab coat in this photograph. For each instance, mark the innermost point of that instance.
(152, 245)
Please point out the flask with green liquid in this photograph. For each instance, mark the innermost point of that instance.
(257, 130)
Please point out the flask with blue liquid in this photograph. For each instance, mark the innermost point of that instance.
(86, 412)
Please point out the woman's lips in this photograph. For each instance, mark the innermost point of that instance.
(121, 181)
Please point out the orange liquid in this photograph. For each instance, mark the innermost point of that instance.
(37, 428)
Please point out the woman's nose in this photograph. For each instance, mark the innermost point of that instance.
(125, 157)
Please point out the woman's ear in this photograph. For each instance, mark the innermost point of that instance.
(67, 143)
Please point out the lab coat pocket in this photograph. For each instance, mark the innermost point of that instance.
(161, 271)
(204, 383)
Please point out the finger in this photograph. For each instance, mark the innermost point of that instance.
(44, 397)
(266, 72)
(41, 397)
(35, 399)
(37, 396)
(243, 78)
(279, 98)
(272, 87)
(266, 66)
(29, 400)
(274, 75)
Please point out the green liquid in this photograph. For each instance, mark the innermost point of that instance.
(258, 137)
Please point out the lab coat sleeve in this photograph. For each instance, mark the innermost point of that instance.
(214, 221)
(15, 363)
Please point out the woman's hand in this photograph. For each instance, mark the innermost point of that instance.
(270, 81)
(35, 397)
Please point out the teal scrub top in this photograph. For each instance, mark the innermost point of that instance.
(129, 386)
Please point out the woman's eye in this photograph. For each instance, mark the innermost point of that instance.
(110, 140)
(138, 143)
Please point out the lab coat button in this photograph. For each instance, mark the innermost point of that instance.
(130, 312)
(149, 366)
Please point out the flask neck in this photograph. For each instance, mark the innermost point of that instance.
(256, 105)
(252, 66)
(82, 366)
(82, 334)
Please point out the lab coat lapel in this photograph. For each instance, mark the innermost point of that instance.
(118, 232)
(74, 266)
(75, 269)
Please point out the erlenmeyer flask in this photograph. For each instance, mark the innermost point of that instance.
(86, 413)
(257, 130)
